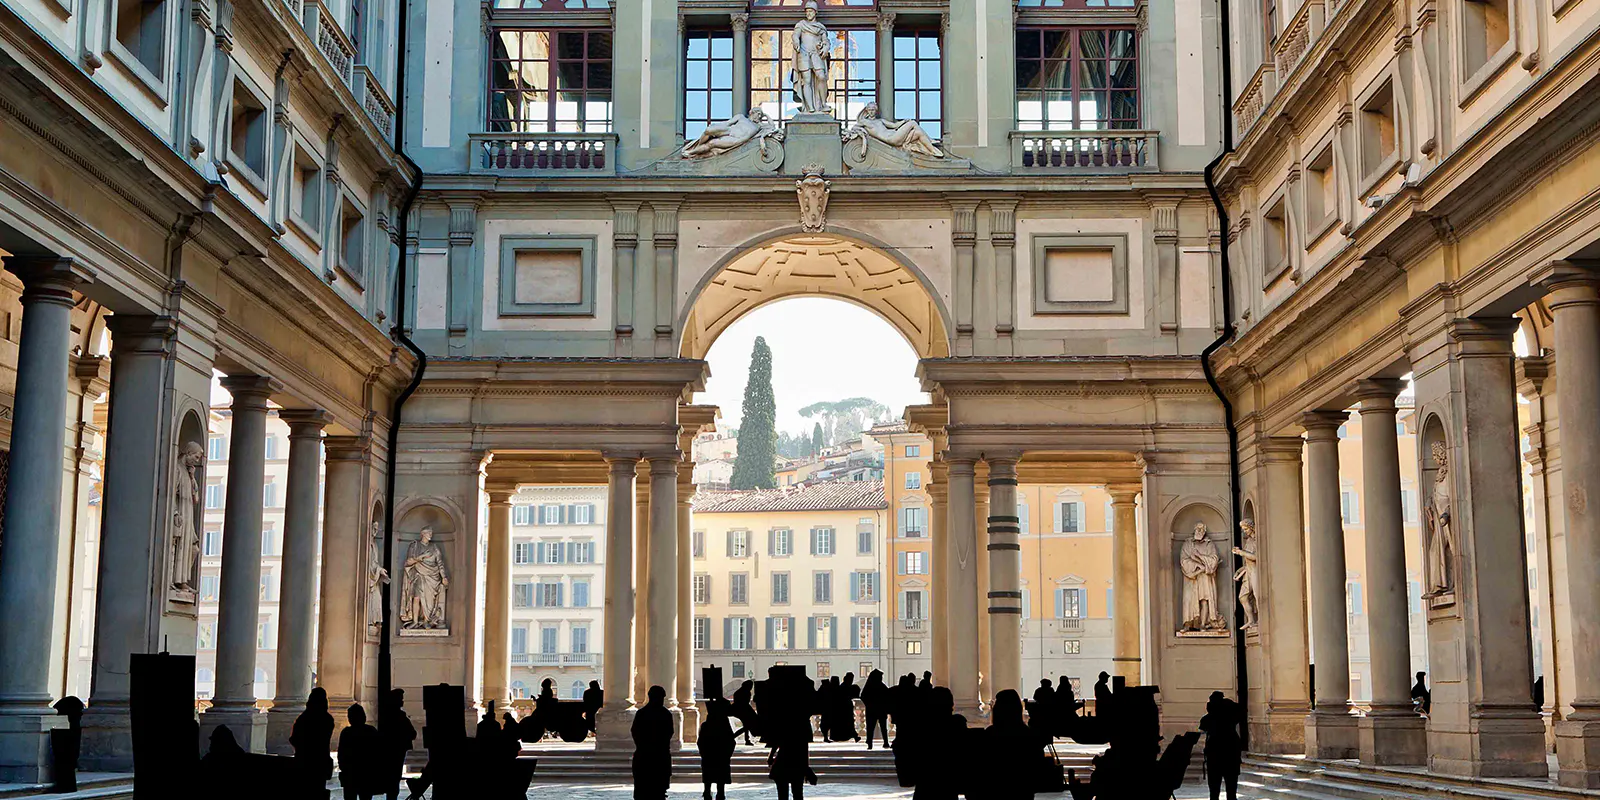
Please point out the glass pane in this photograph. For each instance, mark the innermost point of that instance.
(1124, 74)
(536, 45)
(697, 46)
(1092, 107)
(904, 102)
(721, 105)
(722, 74)
(1028, 44)
(692, 130)
(863, 44)
(1125, 107)
(1092, 44)
(600, 75)
(1055, 44)
(905, 74)
(928, 46)
(1091, 74)
(1028, 74)
(722, 46)
(569, 44)
(928, 75)
(508, 45)
(928, 106)
(1057, 75)
(1030, 111)
(935, 129)
(1122, 44)
(1058, 110)
(695, 75)
(600, 44)
(905, 47)
(696, 105)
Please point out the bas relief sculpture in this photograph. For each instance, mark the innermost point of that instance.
(730, 135)
(1247, 574)
(903, 134)
(424, 582)
(813, 189)
(377, 576)
(1199, 561)
(1441, 529)
(184, 554)
(813, 55)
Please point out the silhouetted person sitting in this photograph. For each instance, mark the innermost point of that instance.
(397, 736)
(1011, 750)
(875, 700)
(1102, 695)
(940, 764)
(1224, 745)
(360, 757)
(593, 698)
(745, 712)
(652, 742)
(1421, 697)
(716, 747)
(312, 738)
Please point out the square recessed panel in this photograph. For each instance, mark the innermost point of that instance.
(547, 276)
(1080, 273)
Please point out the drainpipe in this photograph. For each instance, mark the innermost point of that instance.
(398, 332)
(1242, 676)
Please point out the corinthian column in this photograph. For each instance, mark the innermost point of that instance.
(297, 625)
(614, 718)
(1005, 574)
(1330, 728)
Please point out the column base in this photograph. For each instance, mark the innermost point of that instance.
(691, 720)
(280, 724)
(1495, 744)
(1394, 739)
(1282, 732)
(25, 746)
(248, 726)
(1331, 734)
(107, 739)
(613, 729)
(1578, 753)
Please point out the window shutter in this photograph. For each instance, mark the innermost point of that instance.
(1083, 602)
(811, 633)
(877, 582)
(1022, 517)
(772, 542)
(855, 633)
(813, 541)
(877, 633)
(900, 566)
(1027, 604)
(572, 552)
(769, 633)
(1061, 603)
(727, 633)
(560, 591)
(1110, 609)
(1056, 507)
(833, 633)
(707, 580)
(730, 544)
(900, 603)
(855, 586)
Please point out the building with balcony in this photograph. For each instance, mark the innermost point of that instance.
(557, 589)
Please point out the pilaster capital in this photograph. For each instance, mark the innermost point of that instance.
(463, 221)
(1533, 374)
(1002, 468)
(664, 229)
(305, 423)
(625, 224)
(1124, 494)
(500, 494)
(141, 333)
(1282, 449)
(49, 279)
(740, 21)
(961, 465)
(964, 227)
(347, 449)
(886, 23)
(250, 391)
(1567, 283)
(1323, 425)
(1474, 336)
(1378, 394)
(93, 374)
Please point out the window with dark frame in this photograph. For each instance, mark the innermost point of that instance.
(1269, 24)
(852, 75)
(550, 81)
(556, 5)
(707, 79)
(822, 3)
(919, 83)
(1077, 78)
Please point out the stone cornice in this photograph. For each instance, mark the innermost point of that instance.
(564, 377)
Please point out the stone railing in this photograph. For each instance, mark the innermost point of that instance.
(913, 624)
(1070, 623)
(331, 41)
(544, 153)
(1069, 151)
(1247, 109)
(1296, 39)
(294, 7)
(373, 99)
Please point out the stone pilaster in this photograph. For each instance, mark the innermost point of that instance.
(664, 235)
(625, 240)
(463, 231)
(1281, 599)
(615, 717)
(497, 599)
(349, 549)
(1005, 573)
(964, 234)
(1330, 728)
(685, 602)
(296, 620)
(938, 539)
(1125, 647)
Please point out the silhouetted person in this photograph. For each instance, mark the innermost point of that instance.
(1422, 697)
(825, 692)
(444, 734)
(1044, 695)
(905, 705)
(361, 757)
(790, 740)
(1102, 695)
(67, 744)
(744, 712)
(927, 681)
(1010, 750)
(312, 738)
(939, 764)
(1538, 692)
(224, 763)
(716, 747)
(397, 736)
(593, 698)
(652, 742)
(844, 704)
(1224, 746)
(875, 700)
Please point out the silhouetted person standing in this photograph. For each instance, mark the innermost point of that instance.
(940, 766)
(66, 744)
(716, 747)
(1421, 695)
(593, 698)
(312, 739)
(825, 692)
(791, 757)
(361, 757)
(1538, 692)
(906, 704)
(1224, 746)
(844, 704)
(652, 743)
(1102, 696)
(1010, 751)
(927, 681)
(875, 699)
(744, 712)
(398, 734)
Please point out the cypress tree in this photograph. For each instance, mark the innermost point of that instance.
(755, 464)
(816, 439)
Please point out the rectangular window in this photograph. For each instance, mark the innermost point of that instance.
(736, 669)
(822, 541)
(580, 592)
(580, 638)
(863, 586)
(697, 543)
(783, 542)
(305, 192)
(1070, 603)
(142, 31)
(738, 544)
(247, 131)
(702, 589)
(212, 545)
(352, 240)
(702, 633)
(916, 562)
(1275, 239)
(1322, 199)
(207, 638)
(852, 78)
(1077, 79)
(582, 552)
(866, 628)
(739, 589)
(1377, 127)
(522, 595)
(216, 448)
(208, 588)
(522, 553)
(1072, 517)
(914, 450)
(550, 81)
(864, 537)
(918, 88)
(1408, 505)
(914, 647)
(522, 515)
(1352, 600)
(780, 588)
(913, 522)
(780, 633)
(550, 552)
(265, 638)
(549, 594)
(707, 79)
(824, 670)
(739, 633)
(269, 495)
(913, 480)
(1350, 508)
(549, 514)
(519, 641)
(1071, 647)
(549, 635)
(214, 495)
(822, 587)
(583, 514)
(269, 541)
(914, 607)
(825, 640)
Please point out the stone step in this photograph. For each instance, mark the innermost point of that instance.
(108, 787)
(1346, 779)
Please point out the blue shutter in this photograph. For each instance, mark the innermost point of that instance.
(560, 591)
(877, 633)
(730, 544)
(855, 586)
(813, 541)
(900, 563)
(572, 552)
(1056, 507)
(727, 633)
(833, 632)
(1061, 603)
(772, 542)
(855, 634)
(811, 633)
(1083, 602)
(769, 633)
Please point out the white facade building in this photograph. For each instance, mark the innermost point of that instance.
(557, 588)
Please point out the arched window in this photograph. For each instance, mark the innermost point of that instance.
(519, 690)
(577, 690)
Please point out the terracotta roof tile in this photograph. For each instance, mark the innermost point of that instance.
(826, 496)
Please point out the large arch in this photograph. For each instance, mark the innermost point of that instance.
(843, 265)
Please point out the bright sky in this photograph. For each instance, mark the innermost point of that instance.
(822, 349)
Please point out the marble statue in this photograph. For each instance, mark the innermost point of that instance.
(1199, 560)
(185, 557)
(1441, 527)
(904, 134)
(1248, 574)
(377, 576)
(813, 55)
(813, 191)
(424, 582)
(723, 137)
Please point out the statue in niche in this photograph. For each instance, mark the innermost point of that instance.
(903, 134)
(185, 556)
(729, 135)
(813, 56)
(1247, 573)
(1199, 560)
(377, 576)
(1441, 528)
(424, 583)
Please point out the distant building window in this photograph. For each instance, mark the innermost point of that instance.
(216, 448)
(822, 541)
(1350, 507)
(1071, 647)
(912, 606)
(697, 543)
(739, 633)
(824, 670)
(269, 495)
(1071, 517)
(738, 544)
(549, 639)
(865, 534)
(913, 522)
(914, 450)
(208, 588)
(580, 592)
(269, 541)
(549, 514)
(550, 81)
(863, 586)
(781, 639)
(913, 480)
(522, 553)
(212, 545)
(866, 633)
(914, 562)
(914, 647)
(739, 589)
(580, 638)
(549, 552)
(207, 638)
(822, 587)
(736, 669)
(782, 542)
(522, 515)
(702, 589)
(583, 514)
(522, 595)
(702, 633)
(548, 594)
(582, 552)
(1070, 603)
(214, 495)
(1077, 79)
(142, 31)
(1408, 505)
(780, 588)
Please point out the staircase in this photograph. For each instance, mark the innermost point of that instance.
(1274, 777)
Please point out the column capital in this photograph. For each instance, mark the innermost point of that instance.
(1002, 469)
(1281, 449)
(141, 333)
(49, 279)
(1377, 394)
(740, 20)
(964, 466)
(1482, 336)
(621, 463)
(1123, 494)
(500, 494)
(1569, 282)
(1323, 424)
(664, 463)
(305, 423)
(250, 391)
(347, 448)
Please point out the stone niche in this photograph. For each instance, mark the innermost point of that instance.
(1080, 274)
(425, 596)
(1220, 541)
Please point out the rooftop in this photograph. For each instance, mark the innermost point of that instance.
(827, 496)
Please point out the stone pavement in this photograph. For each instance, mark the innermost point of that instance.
(757, 791)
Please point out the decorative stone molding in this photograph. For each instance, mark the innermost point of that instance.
(813, 189)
